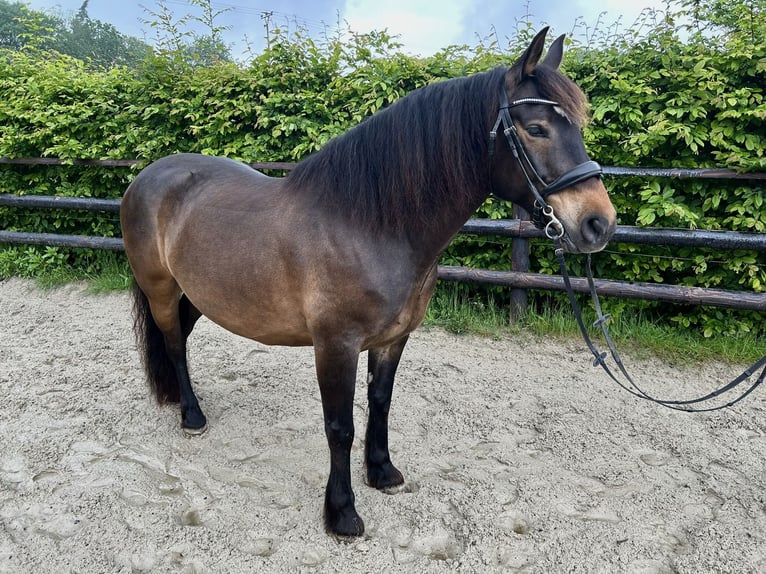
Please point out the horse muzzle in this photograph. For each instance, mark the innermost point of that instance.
(585, 218)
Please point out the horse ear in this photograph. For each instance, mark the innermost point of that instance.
(555, 53)
(532, 54)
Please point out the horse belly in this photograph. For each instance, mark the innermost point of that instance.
(261, 315)
(278, 310)
(254, 297)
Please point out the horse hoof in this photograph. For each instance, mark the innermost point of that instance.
(386, 478)
(347, 538)
(190, 432)
(348, 530)
(343, 523)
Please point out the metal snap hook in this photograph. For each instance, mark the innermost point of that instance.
(554, 228)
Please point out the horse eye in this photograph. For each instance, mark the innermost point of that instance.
(536, 131)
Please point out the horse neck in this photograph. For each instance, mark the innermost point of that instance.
(454, 178)
(415, 171)
(445, 222)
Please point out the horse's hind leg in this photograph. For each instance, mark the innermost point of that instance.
(163, 323)
(193, 421)
(382, 364)
(189, 315)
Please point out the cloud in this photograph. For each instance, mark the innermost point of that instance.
(423, 26)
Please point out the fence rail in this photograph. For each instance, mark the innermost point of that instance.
(519, 279)
(674, 172)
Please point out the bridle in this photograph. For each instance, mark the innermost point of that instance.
(554, 230)
(542, 211)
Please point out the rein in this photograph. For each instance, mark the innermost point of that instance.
(631, 386)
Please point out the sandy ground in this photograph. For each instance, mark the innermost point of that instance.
(520, 457)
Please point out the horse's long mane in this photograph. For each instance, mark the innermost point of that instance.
(426, 151)
(422, 152)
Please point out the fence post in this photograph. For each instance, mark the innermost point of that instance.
(519, 262)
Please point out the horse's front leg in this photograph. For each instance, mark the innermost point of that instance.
(382, 364)
(336, 371)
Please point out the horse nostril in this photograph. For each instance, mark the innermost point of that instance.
(596, 229)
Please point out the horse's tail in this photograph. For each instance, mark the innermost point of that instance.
(160, 373)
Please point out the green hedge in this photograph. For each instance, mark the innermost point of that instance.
(656, 102)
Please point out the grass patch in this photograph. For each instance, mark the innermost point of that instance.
(113, 274)
(634, 333)
(452, 310)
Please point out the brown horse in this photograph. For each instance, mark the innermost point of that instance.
(341, 254)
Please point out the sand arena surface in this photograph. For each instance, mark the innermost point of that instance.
(520, 457)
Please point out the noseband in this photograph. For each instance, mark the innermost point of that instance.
(542, 210)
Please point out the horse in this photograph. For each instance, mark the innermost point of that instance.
(341, 253)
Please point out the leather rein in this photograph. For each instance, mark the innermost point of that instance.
(544, 218)
(697, 405)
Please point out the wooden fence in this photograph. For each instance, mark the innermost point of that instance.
(518, 279)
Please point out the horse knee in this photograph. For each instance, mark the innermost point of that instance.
(340, 434)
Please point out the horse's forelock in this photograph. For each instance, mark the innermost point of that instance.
(553, 85)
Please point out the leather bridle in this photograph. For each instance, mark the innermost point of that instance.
(542, 214)
(544, 218)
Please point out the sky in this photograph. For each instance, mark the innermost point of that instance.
(422, 26)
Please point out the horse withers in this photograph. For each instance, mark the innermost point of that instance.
(341, 254)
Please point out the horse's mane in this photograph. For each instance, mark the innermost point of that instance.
(427, 150)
